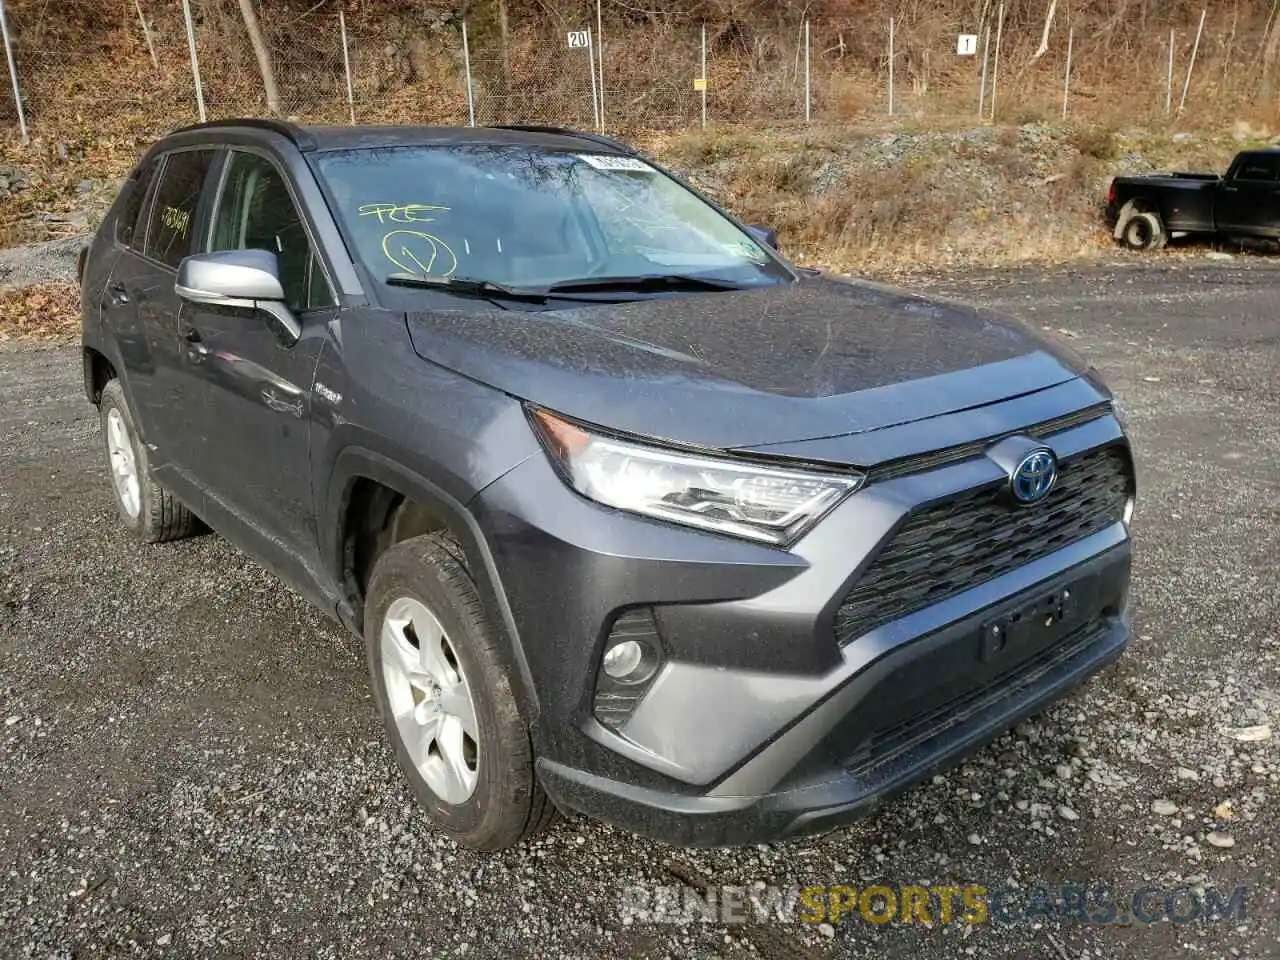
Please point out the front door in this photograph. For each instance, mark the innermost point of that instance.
(1249, 199)
(248, 389)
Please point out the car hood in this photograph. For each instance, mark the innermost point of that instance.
(821, 357)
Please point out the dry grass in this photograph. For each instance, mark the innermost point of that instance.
(46, 312)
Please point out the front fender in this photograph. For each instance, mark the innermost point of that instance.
(356, 462)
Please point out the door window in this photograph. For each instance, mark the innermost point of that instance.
(173, 213)
(256, 212)
(1259, 167)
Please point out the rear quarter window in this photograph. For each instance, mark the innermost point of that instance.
(173, 212)
(128, 227)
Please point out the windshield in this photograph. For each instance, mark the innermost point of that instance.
(523, 217)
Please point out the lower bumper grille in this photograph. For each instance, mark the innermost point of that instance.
(954, 545)
(886, 745)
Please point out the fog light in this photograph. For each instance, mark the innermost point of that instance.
(629, 662)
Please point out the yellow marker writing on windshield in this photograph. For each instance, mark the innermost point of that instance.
(416, 252)
(400, 212)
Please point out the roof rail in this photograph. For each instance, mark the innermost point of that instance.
(599, 138)
(301, 139)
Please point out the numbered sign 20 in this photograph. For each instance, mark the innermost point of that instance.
(579, 39)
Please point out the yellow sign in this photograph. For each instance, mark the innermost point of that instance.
(700, 83)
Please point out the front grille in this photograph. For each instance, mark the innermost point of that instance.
(956, 544)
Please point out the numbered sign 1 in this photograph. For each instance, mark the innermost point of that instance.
(579, 39)
(967, 44)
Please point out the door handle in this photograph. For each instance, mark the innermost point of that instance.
(1230, 189)
(276, 403)
(117, 295)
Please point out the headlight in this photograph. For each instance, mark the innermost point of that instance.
(742, 499)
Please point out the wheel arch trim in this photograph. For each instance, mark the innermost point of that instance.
(356, 462)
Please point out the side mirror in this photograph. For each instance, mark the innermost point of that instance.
(247, 279)
(766, 235)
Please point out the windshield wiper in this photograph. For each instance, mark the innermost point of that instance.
(644, 283)
(467, 286)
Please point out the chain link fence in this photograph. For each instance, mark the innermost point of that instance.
(77, 76)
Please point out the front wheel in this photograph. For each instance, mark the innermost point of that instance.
(446, 698)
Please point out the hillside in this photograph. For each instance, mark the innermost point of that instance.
(931, 186)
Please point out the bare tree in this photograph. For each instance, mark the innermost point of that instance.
(1044, 37)
(262, 54)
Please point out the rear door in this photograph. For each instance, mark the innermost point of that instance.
(1249, 197)
(143, 284)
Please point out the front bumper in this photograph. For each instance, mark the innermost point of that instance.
(760, 723)
(831, 781)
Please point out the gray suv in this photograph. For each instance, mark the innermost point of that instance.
(634, 517)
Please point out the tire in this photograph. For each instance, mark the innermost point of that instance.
(152, 513)
(475, 780)
(1144, 231)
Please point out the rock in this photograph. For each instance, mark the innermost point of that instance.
(165, 940)
(1182, 137)
(1064, 771)
(1223, 810)
(827, 930)
(1250, 734)
(975, 839)
(1221, 840)
(84, 186)
(1066, 813)
(1186, 773)
(1165, 808)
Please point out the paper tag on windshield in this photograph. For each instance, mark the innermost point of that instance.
(609, 161)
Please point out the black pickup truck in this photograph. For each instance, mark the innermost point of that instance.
(1146, 211)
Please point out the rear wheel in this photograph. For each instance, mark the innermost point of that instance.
(1144, 231)
(446, 699)
(151, 512)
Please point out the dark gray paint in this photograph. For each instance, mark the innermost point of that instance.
(430, 404)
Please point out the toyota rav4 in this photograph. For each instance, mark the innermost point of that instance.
(634, 517)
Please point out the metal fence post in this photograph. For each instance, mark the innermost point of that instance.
(891, 66)
(346, 67)
(195, 61)
(1195, 48)
(591, 69)
(1168, 87)
(986, 59)
(466, 61)
(13, 75)
(704, 76)
(808, 73)
(1066, 83)
(995, 66)
(600, 56)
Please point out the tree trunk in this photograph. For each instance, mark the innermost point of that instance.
(262, 54)
(1269, 56)
(1044, 37)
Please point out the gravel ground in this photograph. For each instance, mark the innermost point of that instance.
(39, 263)
(190, 762)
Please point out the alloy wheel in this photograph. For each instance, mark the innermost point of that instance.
(430, 700)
